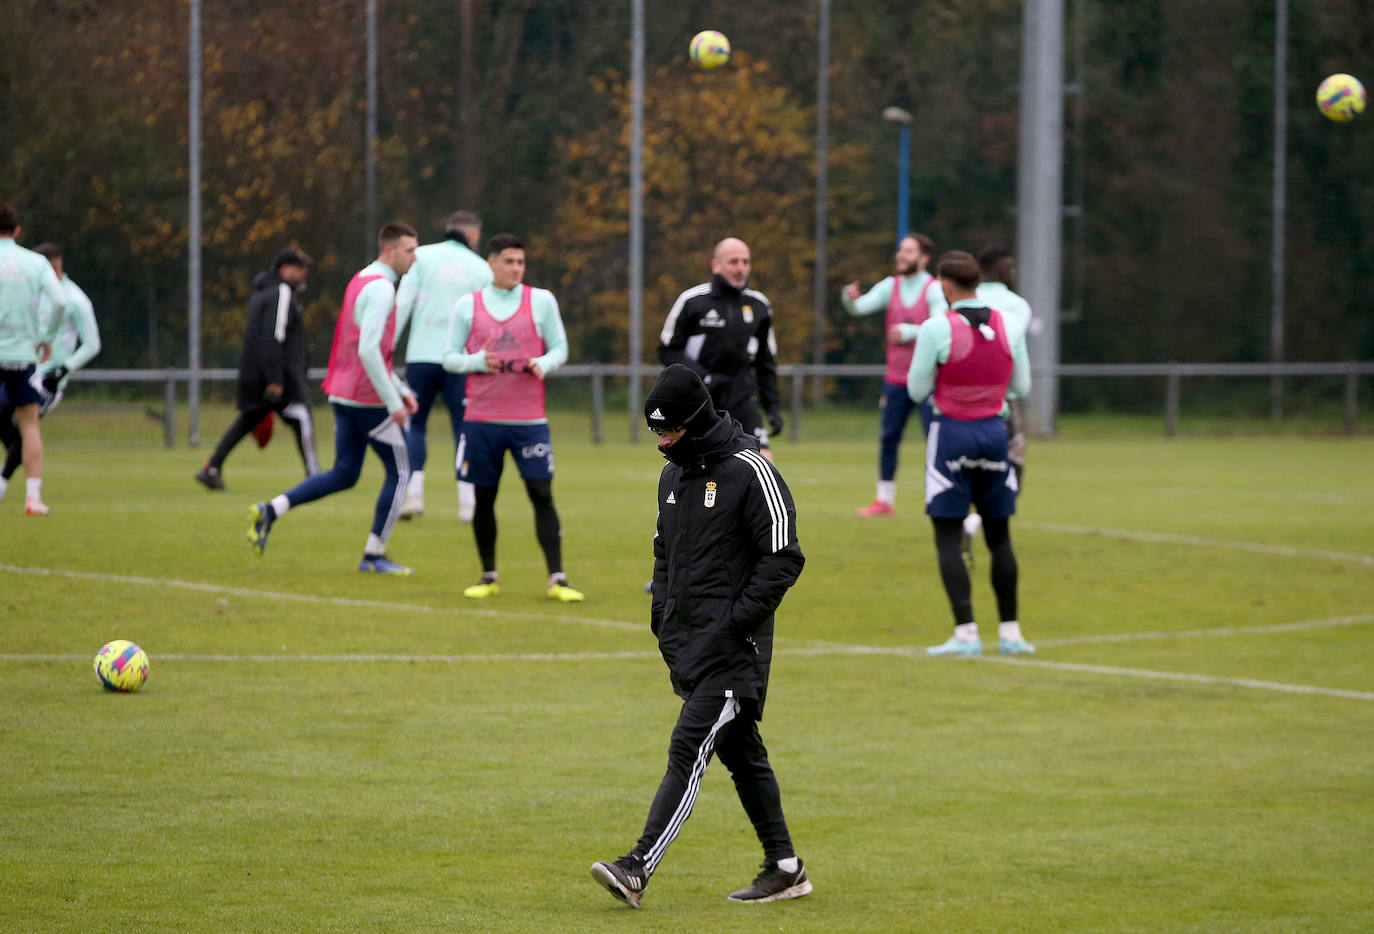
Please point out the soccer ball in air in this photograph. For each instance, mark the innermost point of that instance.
(121, 666)
(710, 49)
(1340, 98)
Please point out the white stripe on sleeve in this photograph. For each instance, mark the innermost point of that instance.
(283, 311)
(777, 509)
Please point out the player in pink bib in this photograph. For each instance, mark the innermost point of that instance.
(507, 337)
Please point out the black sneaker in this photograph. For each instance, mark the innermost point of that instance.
(625, 878)
(209, 478)
(774, 884)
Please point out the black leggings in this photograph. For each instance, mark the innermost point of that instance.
(546, 527)
(997, 532)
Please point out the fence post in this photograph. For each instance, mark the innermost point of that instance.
(169, 412)
(598, 401)
(1171, 401)
(1352, 398)
(798, 387)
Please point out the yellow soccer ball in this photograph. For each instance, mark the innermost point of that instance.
(709, 49)
(121, 666)
(1340, 98)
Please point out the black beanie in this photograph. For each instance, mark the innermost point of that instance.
(679, 399)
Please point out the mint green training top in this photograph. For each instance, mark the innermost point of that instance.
(443, 273)
(502, 304)
(374, 304)
(78, 340)
(1014, 307)
(25, 277)
(932, 349)
(877, 299)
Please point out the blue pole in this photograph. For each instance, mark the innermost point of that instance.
(903, 182)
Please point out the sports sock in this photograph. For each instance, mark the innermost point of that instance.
(4, 485)
(966, 632)
(1010, 630)
(279, 505)
(789, 864)
(416, 487)
(887, 492)
(558, 578)
(973, 524)
(33, 487)
(489, 577)
(374, 546)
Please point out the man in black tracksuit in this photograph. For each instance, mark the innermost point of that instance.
(725, 553)
(724, 331)
(272, 370)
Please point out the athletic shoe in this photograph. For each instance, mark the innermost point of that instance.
(966, 549)
(259, 524)
(209, 477)
(482, 590)
(381, 564)
(413, 507)
(1014, 647)
(775, 884)
(625, 878)
(954, 646)
(876, 508)
(565, 594)
(33, 506)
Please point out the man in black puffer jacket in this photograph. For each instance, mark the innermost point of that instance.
(272, 370)
(725, 554)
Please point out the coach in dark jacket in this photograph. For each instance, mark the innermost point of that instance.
(272, 367)
(725, 554)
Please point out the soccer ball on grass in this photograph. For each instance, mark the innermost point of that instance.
(121, 666)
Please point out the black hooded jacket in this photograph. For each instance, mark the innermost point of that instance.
(725, 553)
(273, 344)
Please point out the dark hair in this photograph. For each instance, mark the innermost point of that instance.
(926, 244)
(462, 220)
(504, 241)
(51, 250)
(998, 265)
(392, 232)
(9, 218)
(960, 268)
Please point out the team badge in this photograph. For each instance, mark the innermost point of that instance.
(748, 314)
(710, 493)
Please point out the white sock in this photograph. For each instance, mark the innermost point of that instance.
(973, 524)
(33, 487)
(1010, 629)
(4, 485)
(789, 864)
(416, 487)
(280, 504)
(467, 501)
(375, 546)
(966, 632)
(887, 492)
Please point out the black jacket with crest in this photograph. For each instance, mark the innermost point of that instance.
(725, 554)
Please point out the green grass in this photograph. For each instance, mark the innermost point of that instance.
(470, 786)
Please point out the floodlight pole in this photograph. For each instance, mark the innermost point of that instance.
(1276, 287)
(636, 211)
(370, 165)
(903, 119)
(1040, 199)
(822, 194)
(193, 274)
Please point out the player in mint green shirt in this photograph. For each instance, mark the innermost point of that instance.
(77, 341)
(443, 273)
(25, 342)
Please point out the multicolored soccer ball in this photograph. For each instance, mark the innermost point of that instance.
(1340, 98)
(709, 49)
(121, 666)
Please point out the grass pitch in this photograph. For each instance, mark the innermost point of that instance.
(317, 750)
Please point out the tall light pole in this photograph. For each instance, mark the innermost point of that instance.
(370, 164)
(822, 188)
(1280, 197)
(903, 120)
(193, 274)
(636, 210)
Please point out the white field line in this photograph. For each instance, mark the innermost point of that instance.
(1199, 541)
(314, 599)
(1207, 633)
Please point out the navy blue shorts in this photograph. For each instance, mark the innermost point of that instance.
(482, 451)
(967, 464)
(22, 384)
